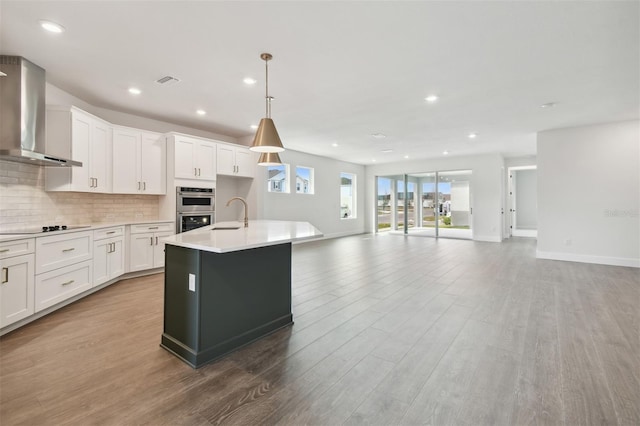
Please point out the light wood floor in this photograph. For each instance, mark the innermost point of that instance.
(388, 330)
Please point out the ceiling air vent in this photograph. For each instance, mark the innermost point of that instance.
(167, 80)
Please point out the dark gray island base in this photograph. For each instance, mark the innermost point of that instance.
(235, 298)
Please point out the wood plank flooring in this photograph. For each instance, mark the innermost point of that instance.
(388, 330)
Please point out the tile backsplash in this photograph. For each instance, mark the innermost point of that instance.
(24, 202)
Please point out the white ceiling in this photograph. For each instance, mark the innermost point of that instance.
(344, 70)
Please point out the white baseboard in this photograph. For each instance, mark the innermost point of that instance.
(488, 238)
(532, 233)
(584, 258)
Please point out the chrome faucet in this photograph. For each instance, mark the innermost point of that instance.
(246, 209)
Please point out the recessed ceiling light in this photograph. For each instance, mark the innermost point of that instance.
(373, 160)
(52, 27)
(134, 90)
(386, 151)
(406, 156)
(254, 126)
(445, 153)
(334, 144)
(473, 135)
(379, 135)
(249, 81)
(548, 105)
(431, 98)
(201, 112)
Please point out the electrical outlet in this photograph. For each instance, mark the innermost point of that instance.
(568, 242)
(139, 215)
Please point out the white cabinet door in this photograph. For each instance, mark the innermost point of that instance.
(80, 143)
(74, 133)
(16, 289)
(100, 262)
(185, 152)
(158, 249)
(153, 167)
(100, 154)
(226, 160)
(141, 256)
(116, 258)
(206, 160)
(108, 260)
(245, 165)
(125, 161)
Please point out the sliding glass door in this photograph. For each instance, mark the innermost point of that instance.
(435, 204)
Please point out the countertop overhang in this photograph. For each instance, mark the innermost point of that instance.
(259, 233)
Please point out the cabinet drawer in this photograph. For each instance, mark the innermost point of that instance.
(16, 248)
(62, 250)
(152, 227)
(55, 286)
(101, 234)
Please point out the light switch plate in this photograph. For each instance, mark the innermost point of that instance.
(192, 282)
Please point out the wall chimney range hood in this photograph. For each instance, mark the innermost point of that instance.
(22, 114)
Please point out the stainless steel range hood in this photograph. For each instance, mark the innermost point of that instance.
(22, 114)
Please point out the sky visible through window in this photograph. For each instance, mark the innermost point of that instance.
(384, 187)
(303, 172)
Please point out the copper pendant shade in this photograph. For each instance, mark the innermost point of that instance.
(267, 139)
(269, 159)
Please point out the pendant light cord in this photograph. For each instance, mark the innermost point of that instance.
(267, 98)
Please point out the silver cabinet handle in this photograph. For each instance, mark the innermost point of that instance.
(156, 240)
(144, 186)
(96, 182)
(5, 275)
(138, 186)
(195, 171)
(111, 232)
(151, 242)
(4, 250)
(90, 182)
(68, 250)
(153, 227)
(69, 282)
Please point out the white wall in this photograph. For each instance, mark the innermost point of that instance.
(321, 209)
(589, 194)
(485, 186)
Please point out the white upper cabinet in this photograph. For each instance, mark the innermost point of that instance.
(193, 158)
(139, 162)
(75, 134)
(235, 161)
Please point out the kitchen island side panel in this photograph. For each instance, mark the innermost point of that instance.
(181, 306)
(245, 294)
(239, 297)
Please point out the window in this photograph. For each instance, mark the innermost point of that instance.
(278, 178)
(304, 180)
(347, 196)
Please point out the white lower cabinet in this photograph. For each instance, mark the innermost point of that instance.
(146, 247)
(16, 289)
(108, 254)
(58, 285)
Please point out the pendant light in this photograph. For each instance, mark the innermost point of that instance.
(267, 139)
(269, 159)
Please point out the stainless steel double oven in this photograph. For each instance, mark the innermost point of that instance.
(195, 207)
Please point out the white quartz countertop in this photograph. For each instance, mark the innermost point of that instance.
(260, 233)
(14, 235)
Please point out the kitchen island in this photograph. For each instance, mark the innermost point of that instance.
(227, 287)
